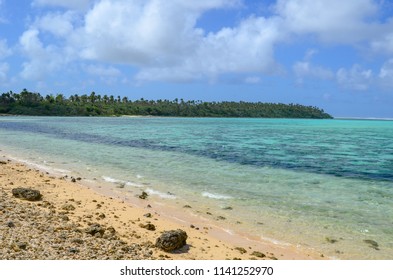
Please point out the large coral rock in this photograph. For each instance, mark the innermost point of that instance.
(27, 194)
(171, 240)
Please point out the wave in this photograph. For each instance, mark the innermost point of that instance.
(41, 167)
(161, 194)
(117, 181)
(111, 180)
(216, 196)
(275, 241)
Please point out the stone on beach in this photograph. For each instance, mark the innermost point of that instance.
(373, 244)
(10, 224)
(68, 207)
(171, 240)
(94, 229)
(144, 195)
(241, 250)
(27, 194)
(148, 226)
(258, 254)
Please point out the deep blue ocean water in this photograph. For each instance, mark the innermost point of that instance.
(302, 182)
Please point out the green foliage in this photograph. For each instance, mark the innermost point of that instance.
(30, 103)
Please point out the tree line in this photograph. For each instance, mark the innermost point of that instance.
(33, 103)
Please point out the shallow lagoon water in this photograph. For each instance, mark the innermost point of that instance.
(322, 184)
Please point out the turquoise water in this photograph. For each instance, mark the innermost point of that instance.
(322, 184)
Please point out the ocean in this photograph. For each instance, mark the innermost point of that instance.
(320, 184)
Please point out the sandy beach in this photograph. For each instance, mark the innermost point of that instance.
(75, 221)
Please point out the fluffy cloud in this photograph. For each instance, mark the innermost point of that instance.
(42, 59)
(4, 50)
(386, 74)
(4, 67)
(162, 39)
(334, 21)
(387, 70)
(243, 49)
(355, 78)
(383, 44)
(305, 69)
(59, 24)
(155, 32)
(144, 34)
(107, 74)
(139, 33)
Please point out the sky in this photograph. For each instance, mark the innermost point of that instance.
(336, 54)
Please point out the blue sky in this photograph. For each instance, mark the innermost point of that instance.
(337, 54)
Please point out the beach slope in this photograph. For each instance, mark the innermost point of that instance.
(73, 221)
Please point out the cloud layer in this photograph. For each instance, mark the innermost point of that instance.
(162, 40)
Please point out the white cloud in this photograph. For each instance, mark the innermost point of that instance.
(246, 48)
(335, 21)
(355, 78)
(386, 74)
(59, 24)
(162, 39)
(304, 69)
(68, 4)
(383, 44)
(4, 50)
(144, 32)
(139, 33)
(30, 42)
(387, 70)
(4, 67)
(108, 75)
(42, 60)
(100, 70)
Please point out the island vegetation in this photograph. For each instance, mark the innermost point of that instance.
(32, 103)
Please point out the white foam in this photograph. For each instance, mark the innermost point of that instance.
(41, 167)
(160, 194)
(111, 180)
(275, 241)
(216, 196)
(133, 184)
(139, 176)
(230, 232)
(117, 181)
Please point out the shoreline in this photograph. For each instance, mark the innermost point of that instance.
(206, 240)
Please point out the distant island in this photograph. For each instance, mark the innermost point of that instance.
(33, 104)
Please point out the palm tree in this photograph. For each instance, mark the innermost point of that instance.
(92, 97)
